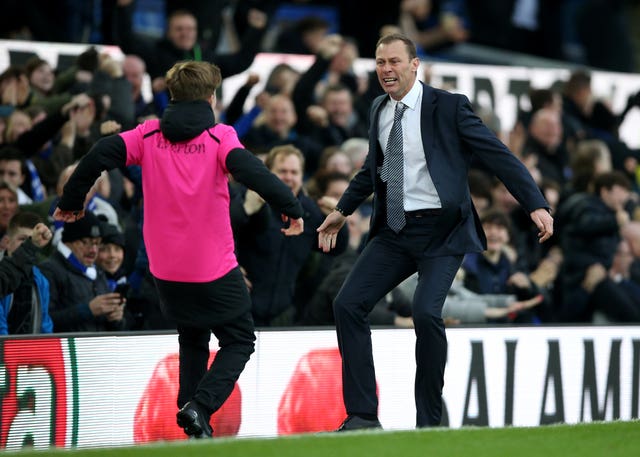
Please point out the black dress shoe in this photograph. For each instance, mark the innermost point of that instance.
(358, 423)
(193, 421)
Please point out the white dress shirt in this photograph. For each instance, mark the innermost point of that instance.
(419, 191)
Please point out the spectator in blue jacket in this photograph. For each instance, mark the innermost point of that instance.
(24, 306)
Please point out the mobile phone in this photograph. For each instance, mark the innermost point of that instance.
(123, 290)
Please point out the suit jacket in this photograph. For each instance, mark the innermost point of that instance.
(451, 134)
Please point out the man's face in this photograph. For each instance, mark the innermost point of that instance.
(133, 70)
(17, 238)
(289, 169)
(11, 172)
(396, 72)
(339, 106)
(85, 250)
(280, 115)
(183, 32)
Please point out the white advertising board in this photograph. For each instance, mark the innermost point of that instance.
(119, 390)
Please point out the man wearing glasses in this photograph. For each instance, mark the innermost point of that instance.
(80, 296)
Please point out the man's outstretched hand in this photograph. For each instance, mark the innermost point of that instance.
(296, 226)
(328, 230)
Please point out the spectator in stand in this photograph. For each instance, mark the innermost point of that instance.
(14, 170)
(430, 26)
(181, 43)
(590, 234)
(41, 80)
(319, 310)
(462, 306)
(17, 93)
(111, 255)
(81, 299)
(8, 209)
(134, 70)
(24, 290)
(546, 141)
(272, 261)
(590, 159)
(281, 80)
(631, 234)
(278, 129)
(334, 120)
(332, 66)
(356, 149)
(302, 36)
(335, 160)
(596, 117)
(493, 271)
(96, 201)
(620, 271)
(325, 188)
(480, 190)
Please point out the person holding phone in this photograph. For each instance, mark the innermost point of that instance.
(111, 258)
(81, 299)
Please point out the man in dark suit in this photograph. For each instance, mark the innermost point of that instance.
(423, 220)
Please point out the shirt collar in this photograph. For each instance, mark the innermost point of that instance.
(412, 98)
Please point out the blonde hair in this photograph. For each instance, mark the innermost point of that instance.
(189, 81)
(284, 151)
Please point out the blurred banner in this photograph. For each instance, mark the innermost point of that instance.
(120, 390)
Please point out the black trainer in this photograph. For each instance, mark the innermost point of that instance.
(194, 423)
(358, 423)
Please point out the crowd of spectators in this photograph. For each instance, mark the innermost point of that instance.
(310, 128)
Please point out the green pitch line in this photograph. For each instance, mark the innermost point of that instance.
(610, 439)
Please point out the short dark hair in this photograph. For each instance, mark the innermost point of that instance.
(11, 153)
(496, 217)
(23, 219)
(579, 79)
(324, 179)
(610, 179)
(410, 45)
(33, 64)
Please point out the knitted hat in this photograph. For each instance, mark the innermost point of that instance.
(111, 234)
(87, 227)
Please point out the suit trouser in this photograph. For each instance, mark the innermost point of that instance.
(386, 261)
(211, 386)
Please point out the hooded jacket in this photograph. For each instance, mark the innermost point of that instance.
(185, 159)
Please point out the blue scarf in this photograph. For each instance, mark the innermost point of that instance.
(37, 189)
(89, 272)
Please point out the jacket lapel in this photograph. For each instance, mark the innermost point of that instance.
(428, 105)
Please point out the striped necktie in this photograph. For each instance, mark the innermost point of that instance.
(393, 172)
